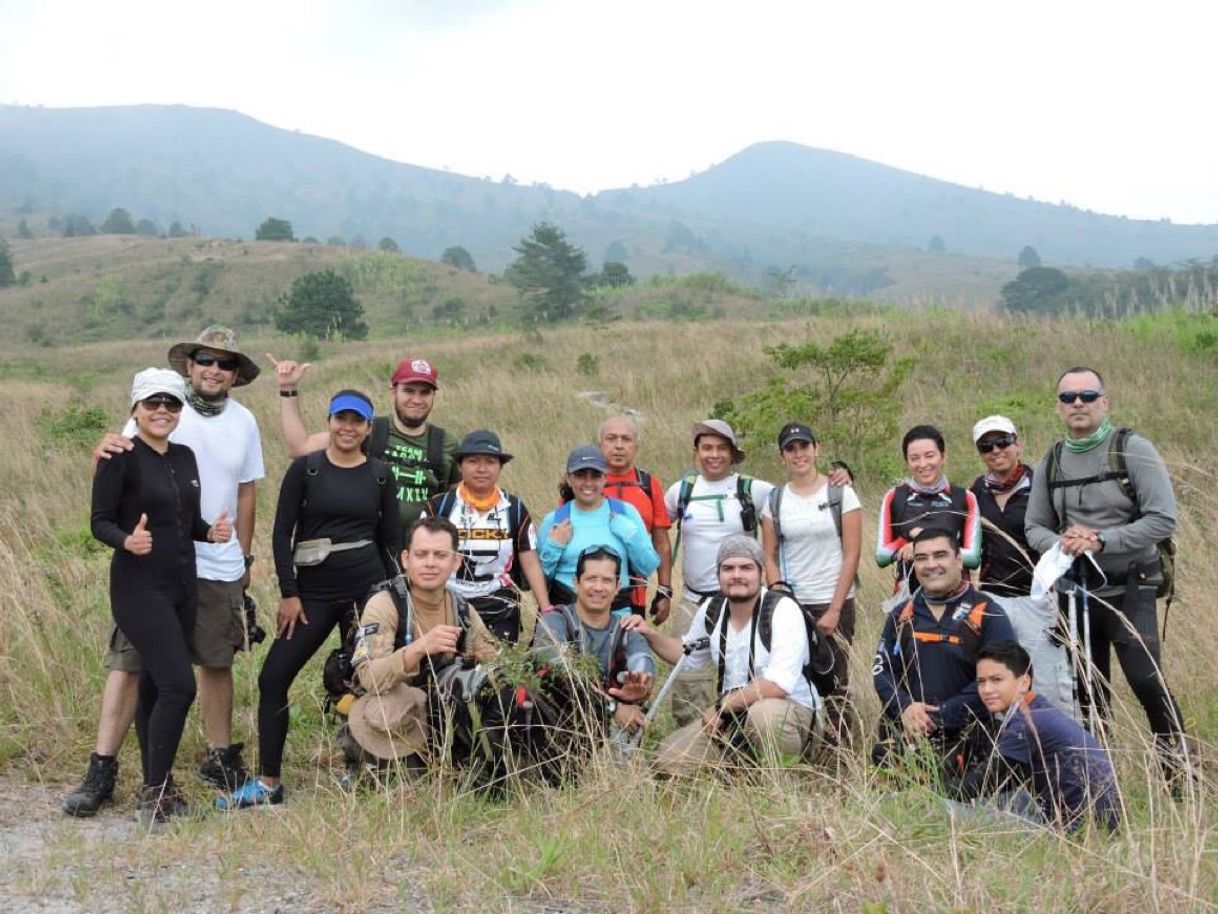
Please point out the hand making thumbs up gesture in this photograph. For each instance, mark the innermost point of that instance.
(221, 530)
(139, 541)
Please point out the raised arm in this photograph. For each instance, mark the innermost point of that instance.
(291, 424)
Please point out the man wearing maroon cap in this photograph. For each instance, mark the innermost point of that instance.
(420, 455)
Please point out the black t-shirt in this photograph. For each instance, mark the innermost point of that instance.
(345, 504)
(1004, 567)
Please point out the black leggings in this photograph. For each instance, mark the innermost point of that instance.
(285, 659)
(1137, 651)
(159, 624)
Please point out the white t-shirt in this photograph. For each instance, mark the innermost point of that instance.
(784, 667)
(713, 513)
(810, 555)
(228, 450)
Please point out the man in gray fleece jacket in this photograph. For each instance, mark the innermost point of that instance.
(1082, 503)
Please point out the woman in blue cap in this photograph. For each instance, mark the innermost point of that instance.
(337, 533)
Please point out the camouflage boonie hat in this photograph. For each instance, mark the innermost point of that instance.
(222, 339)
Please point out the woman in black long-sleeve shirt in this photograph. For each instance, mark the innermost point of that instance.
(341, 495)
(146, 507)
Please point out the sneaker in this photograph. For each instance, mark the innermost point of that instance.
(224, 769)
(96, 789)
(252, 793)
(159, 804)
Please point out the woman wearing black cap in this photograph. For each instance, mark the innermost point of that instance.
(337, 533)
(812, 534)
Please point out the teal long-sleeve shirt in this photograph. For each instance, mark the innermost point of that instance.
(618, 526)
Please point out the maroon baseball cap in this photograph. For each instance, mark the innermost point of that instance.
(421, 370)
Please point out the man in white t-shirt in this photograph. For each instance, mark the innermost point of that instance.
(757, 648)
(707, 507)
(228, 448)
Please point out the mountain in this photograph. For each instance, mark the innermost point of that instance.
(841, 196)
(820, 222)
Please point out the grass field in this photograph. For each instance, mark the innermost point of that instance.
(828, 838)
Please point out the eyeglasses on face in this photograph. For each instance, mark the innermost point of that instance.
(206, 359)
(984, 447)
(152, 404)
(1068, 397)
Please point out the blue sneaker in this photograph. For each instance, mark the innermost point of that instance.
(252, 793)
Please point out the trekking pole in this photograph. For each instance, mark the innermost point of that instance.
(687, 648)
(1072, 636)
(1089, 668)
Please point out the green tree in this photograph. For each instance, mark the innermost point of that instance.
(388, 245)
(336, 241)
(147, 228)
(1028, 257)
(548, 271)
(119, 222)
(7, 277)
(176, 230)
(458, 258)
(273, 229)
(846, 390)
(1038, 290)
(615, 276)
(78, 226)
(322, 305)
(23, 229)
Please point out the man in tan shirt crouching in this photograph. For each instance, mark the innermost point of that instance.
(394, 660)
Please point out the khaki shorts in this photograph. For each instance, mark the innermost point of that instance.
(219, 630)
(219, 624)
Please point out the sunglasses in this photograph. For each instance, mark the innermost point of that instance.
(152, 404)
(228, 363)
(984, 447)
(1087, 396)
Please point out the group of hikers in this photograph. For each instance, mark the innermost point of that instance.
(992, 669)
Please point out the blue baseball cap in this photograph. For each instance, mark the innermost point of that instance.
(350, 401)
(587, 457)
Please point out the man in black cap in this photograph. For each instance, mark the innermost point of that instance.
(498, 542)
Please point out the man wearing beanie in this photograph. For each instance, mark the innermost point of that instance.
(757, 640)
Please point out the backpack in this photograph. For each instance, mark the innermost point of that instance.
(969, 638)
(642, 480)
(957, 509)
(436, 461)
(834, 494)
(448, 500)
(559, 592)
(744, 495)
(617, 645)
(818, 671)
(315, 460)
(1118, 469)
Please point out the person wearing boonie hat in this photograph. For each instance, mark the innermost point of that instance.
(336, 536)
(812, 532)
(498, 540)
(145, 506)
(421, 455)
(587, 518)
(1007, 561)
(762, 695)
(225, 439)
(706, 506)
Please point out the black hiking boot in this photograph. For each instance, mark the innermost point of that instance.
(160, 804)
(1180, 763)
(96, 788)
(224, 769)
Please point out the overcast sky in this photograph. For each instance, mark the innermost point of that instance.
(1105, 105)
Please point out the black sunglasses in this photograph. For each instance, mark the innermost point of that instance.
(1087, 396)
(173, 404)
(228, 363)
(984, 447)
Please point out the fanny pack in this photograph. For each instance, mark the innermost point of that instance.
(314, 552)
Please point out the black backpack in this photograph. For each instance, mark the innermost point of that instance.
(575, 640)
(448, 499)
(819, 668)
(744, 495)
(1118, 469)
(834, 495)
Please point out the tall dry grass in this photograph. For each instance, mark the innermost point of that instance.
(828, 838)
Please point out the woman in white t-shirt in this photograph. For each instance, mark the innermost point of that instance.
(804, 547)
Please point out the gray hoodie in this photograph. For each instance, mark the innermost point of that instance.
(1130, 529)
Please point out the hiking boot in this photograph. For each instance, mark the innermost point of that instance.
(252, 793)
(159, 804)
(224, 769)
(96, 788)
(1180, 762)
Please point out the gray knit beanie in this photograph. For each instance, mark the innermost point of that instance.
(739, 546)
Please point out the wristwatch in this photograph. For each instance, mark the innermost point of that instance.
(611, 706)
(249, 560)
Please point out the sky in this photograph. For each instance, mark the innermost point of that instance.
(1104, 105)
